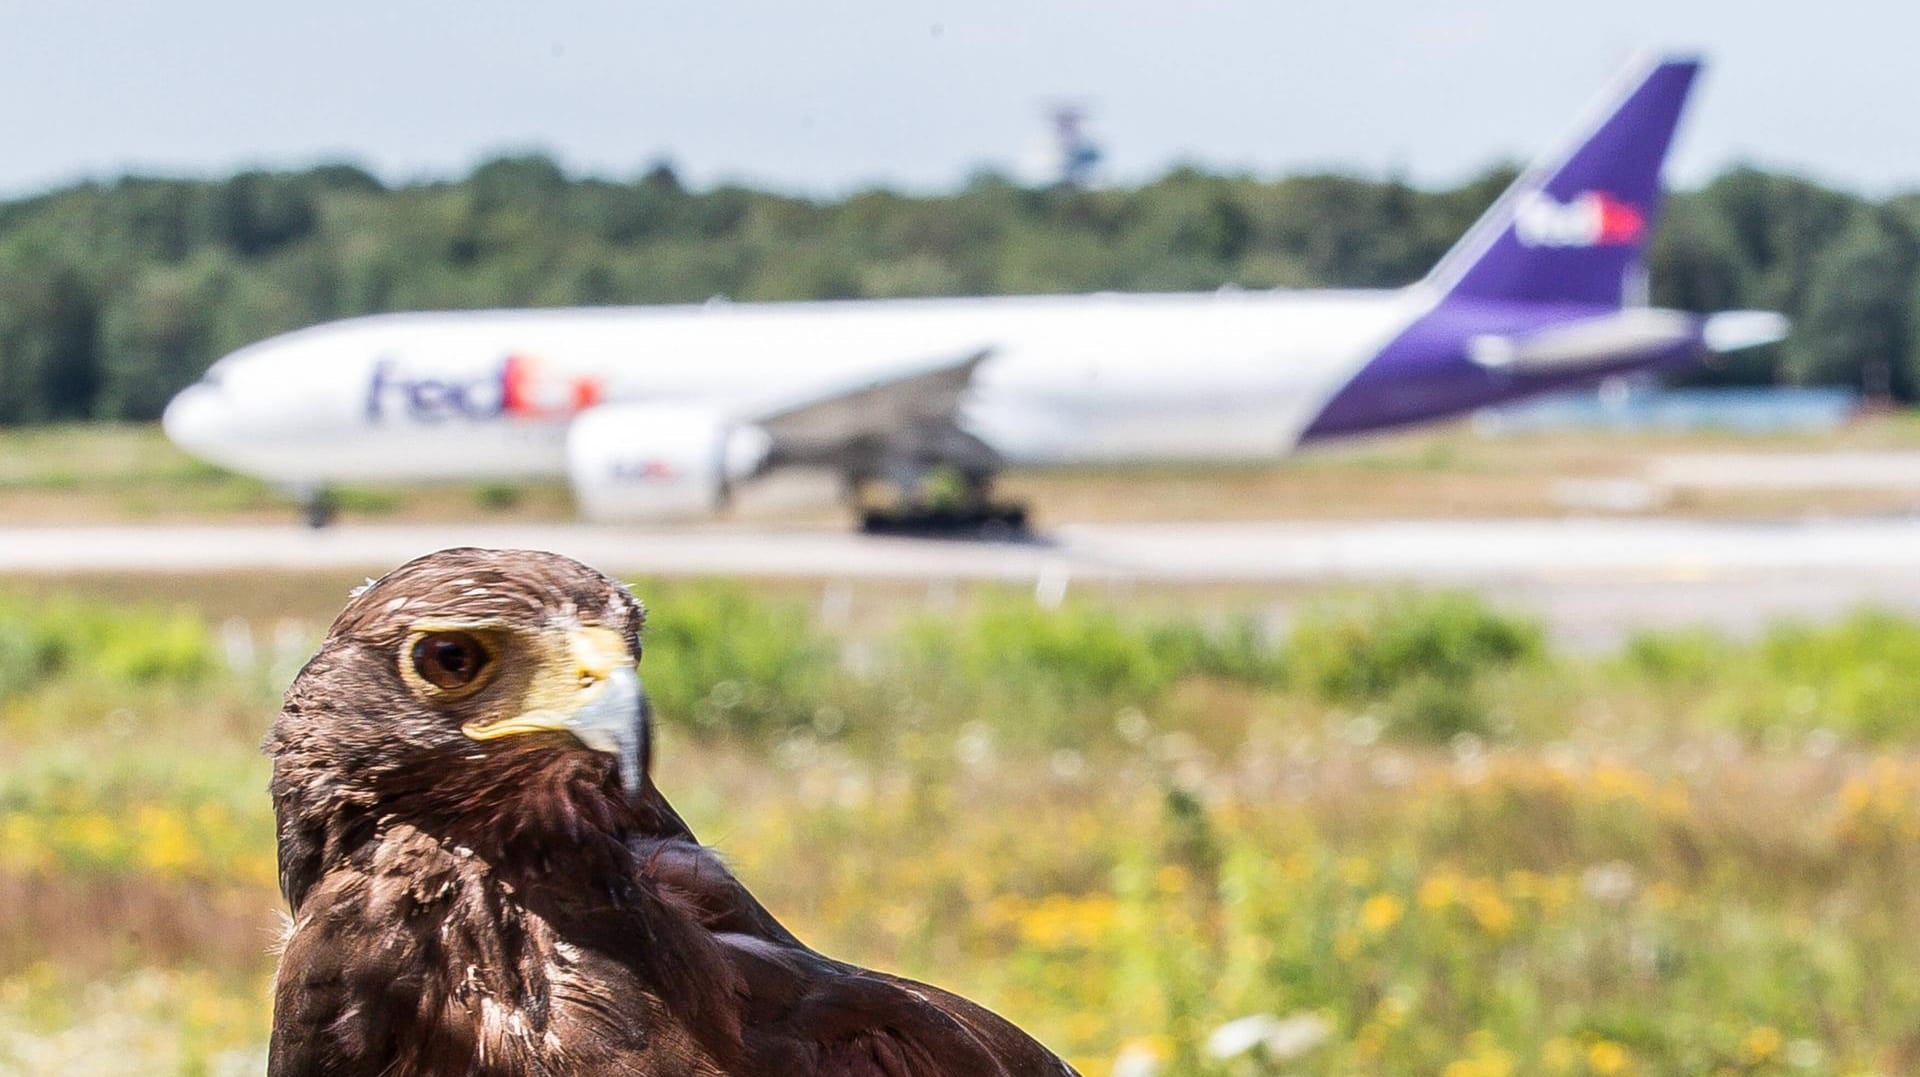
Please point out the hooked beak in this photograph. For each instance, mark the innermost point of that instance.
(604, 707)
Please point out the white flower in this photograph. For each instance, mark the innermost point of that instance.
(1294, 1036)
(1282, 1038)
(1136, 1060)
(1612, 883)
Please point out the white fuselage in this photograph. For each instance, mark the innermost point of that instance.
(653, 412)
(1232, 375)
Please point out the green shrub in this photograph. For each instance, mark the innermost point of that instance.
(1686, 659)
(1860, 677)
(22, 664)
(723, 661)
(1075, 652)
(1083, 654)
(133, 645)
(1056, 678)
(497, 496)
(1431, 709)
(1368, 648)
(362, 501)
(1238, 651)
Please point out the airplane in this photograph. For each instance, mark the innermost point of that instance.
(661, 413)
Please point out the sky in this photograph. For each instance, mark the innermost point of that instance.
(828, 96)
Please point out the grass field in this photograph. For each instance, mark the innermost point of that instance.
(1409, 837)
(102, 474)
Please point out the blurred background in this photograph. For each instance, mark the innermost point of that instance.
(1573, 737)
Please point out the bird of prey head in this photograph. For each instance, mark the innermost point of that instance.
(462, 683)
(484, 879)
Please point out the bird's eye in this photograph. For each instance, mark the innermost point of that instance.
(450, 661)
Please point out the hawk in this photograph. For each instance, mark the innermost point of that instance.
(483, 878)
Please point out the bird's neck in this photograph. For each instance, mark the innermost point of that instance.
(528, 808)
(531, 807)
(550, 838)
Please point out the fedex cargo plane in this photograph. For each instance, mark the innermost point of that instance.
(660, 412)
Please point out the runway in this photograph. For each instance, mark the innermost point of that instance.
(1269, 552)
(1592, 580)
(1200, 551)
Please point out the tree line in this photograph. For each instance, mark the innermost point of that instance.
(114, 295)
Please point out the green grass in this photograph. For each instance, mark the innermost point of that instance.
(1405, 837)
(98, 472)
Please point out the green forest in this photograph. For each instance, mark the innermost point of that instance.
(115, 294)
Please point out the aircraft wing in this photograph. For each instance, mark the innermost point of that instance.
(906, 408)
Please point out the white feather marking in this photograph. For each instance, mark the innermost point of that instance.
(288, 925)
(497, 1022)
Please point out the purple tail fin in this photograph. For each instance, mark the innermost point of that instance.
(1575, 229)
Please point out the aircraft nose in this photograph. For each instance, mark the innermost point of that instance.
(195, 418)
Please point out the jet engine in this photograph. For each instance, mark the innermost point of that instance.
(658, 461)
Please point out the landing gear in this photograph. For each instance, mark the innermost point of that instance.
(942, 503)
(319, 508)
(995, 521)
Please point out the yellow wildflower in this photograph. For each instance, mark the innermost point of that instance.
(164, 842)
(1380, 912)
(22, 845)
(1615, 781)
(1607, 1058)
(1856, 795)
(1559, 1055)
(94, 833)
(1437, 891)
(1491, 911)
(1762, 1044)
(1485, 1059)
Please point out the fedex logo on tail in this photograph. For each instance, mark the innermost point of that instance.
(515, 388)
(1588, 219)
